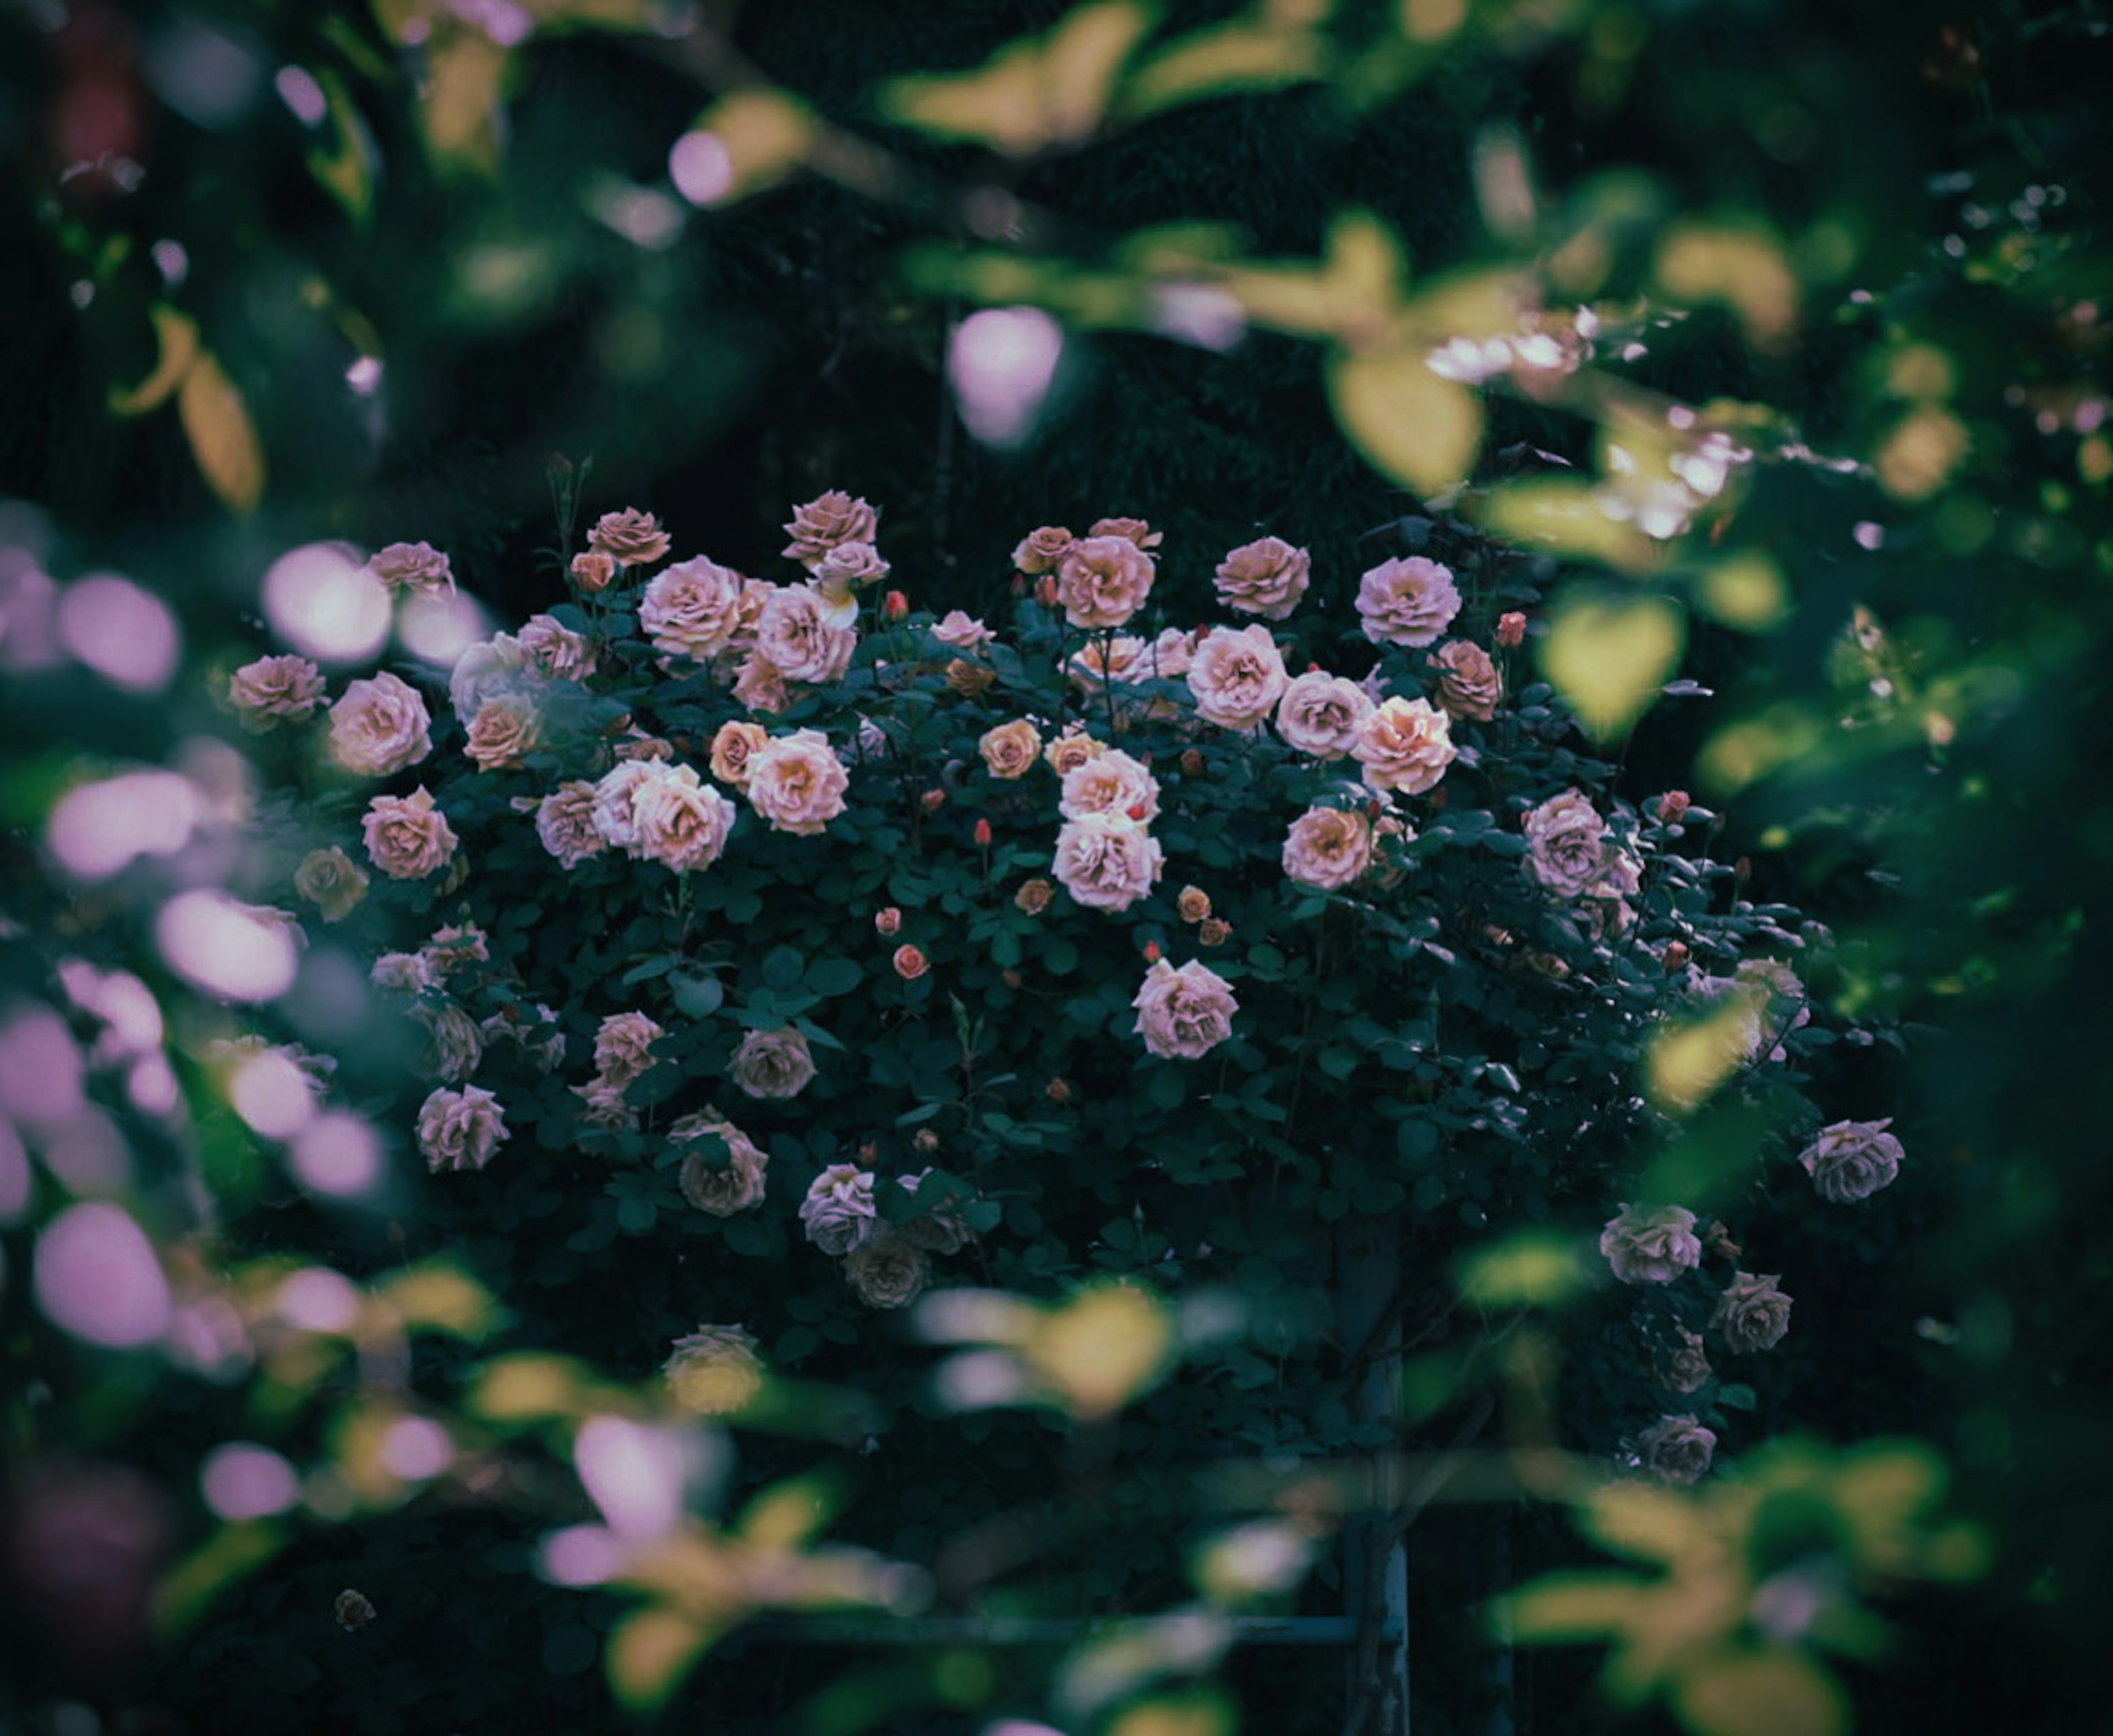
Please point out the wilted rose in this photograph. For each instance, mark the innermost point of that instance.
(720, 1189)
(331, 881)
(630, 535)
(772, 1063)
(1322, 715)
(460, 1129)
(1107, 861)
(1328, 847)
(796, 782)
(838, 1211)
(274, 690)
(1647, 1244)
(1183, 1012)
(379, 727)
(416, 567)
(1753, 1314)
(827, 521)
(887, 1270)
(1852, 1160)
(1103, 580)
(1407, 602)
(1237, 678)
(407, 838)
(1040, 550)
(1406, 745)
(1676, 1450)
(1469, 686)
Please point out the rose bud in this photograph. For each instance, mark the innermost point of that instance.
(1441, 798)
(983, 834)
(895, 606)
(910, 964)
(1045, 590)
(1152, 952)
(1742, 872)
(1673, 807)
(869, 1154)
(926, 1140)
(593, 571)
(1676, 957)
(934, 800)
(1011, 979)
(888, 921)
(1718, 1240)
(1511, 629)
(1058, 1090)
(1192, 761)
(1020, 584)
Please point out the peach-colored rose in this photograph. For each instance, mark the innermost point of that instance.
(1194, 904)
(1071, 750)
(1011, 749)
(732, 747)
(504, 732)
(714, 1371)
(565, 824)
(460, 1129)
(630, 535)
(961, 631)
(721, 1189)
(1407, 602)
(1404, 744)
(1107, 861)
(827, 521)
(1184, 1013)
(1033, 896)
(1676, 1450)
(407, 838)
(379, 727)
(1040, 550)
(1469, 686)
(910, 963)
(1130, 530)
(1237, 678)
(796, 782)
(1753, 1314)
(1110, 782)
(331, 881)
(693, 609)
(772, 1063)
(623, 1045)
(416, 567)
(1328, 847)
(1647, 1244)
(799, 637)
(1266, 578)
(275, 689)
(887, 1270)
(1103, 580)
(760, 685)
(969, 679)
(1852, 1160)
(848, 568)
(683, 821)
(556, 649)
(1213, 931)
(887, 922)
(593, 571)
(1322, 715)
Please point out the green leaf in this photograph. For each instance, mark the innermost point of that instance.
(696, 997)
(1607, 655)
(782, 967)
(829, 976)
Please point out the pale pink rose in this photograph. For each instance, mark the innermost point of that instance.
(1107, 861)
(838, 1212)
(1237, 678)
(1103, 580)
(488, 669)
(1685, 1366)
(772, 1063)
(1322, 715)
(1469, 685)
(725, 1187)
(455, 945)
(630, 535)
(827, 521)
(379, 727)
(800, 639)
(1676, 1450)
(453, 1043)
(623, 1046)
(760, 685)
(331, 881)
(1122, 659)
(416, 567)
(796, 782)
(1186, 1013)
(274, 690)
(1266, 578)
(565, 824)
(714, 1371)
(1566, 844)
(1647, 1244)
(1753, 1314)
(962, 631)
(1130, 530)
(607, 1106)
(1852, 1160)
(683, 821)
(1111, 783)
(1011, 750)
(1407, 602)
(615, 815)
(847, 568)
(1039, 551)
(1173, 654)
(1071, 750)
(1328, 847)
(731, 749)
(402, 973)
(556, 649)
(693, 609)
(887, 1270)
(1406, 745)
(504, 732)
(407, 838)
(460, 1129)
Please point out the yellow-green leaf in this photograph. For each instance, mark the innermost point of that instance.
(1102, 1348)
(1777, 1692)
(1565, 514)
(1609, 655)
(649, 1652)
(1643, 1522)
(1419, 429)
(1689, 1058)
(466, 74)
(188, 1588)
(347, 170)
(439, 1297)
(223, 439)
(1565, 1607)
(1238, 56)
(1740, 264)
(1745, 591)
(787, 1514)
(177, 335)
(753, 139)
(1535, 1269)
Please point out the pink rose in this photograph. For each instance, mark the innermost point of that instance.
(693, 609)
(1040, 550)
(1676, 1450)
(1103, 580)
(379, 727)
(683, 822)
(1266, 577)
(1107, 861)
(555, 649)
(1328, 847)
(460, 1129)
(1184, 1013)
(796, 782)
(772, 1063)
(1405, 744)
(827, 521)
(416, 567)
(801, 638)
(1110, 782)
(887, 1270)
(1651, 1245)
(1407, 602)
(1322, 715)
(565, 824)
(1468, 684)
(720, 1189)
(838, 1212)
(504, 732)
(407, 838)
(1852, 1160)
(1753, 1314)
(1011, 750)
(275, 689)
(1566, 844)
(631, 536)
(1237, 678)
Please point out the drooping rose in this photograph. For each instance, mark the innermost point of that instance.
(827, 522)
(460, 1129)
(630, 535)
(714, 1371)
(1406, 745)
(379, 727)
(1648, 1245)
(1676, 1450)
(407, 838)
(416, 567)
(1328, 847)
(1040, 550)
(1407, 602)
(1566, 843)
(1107, 861)
(275, 690)
(683, 821)
(556, 649)
(504, 732)
(1103, 580)
(1322, 715)
(1111, 783)
(565, 822)
(1237, 678)
(693, 609)
(1852, 1160)
(1469, 686)
(887, 1270)
(1186, 1012)
(721, 1189)
(772, 1063)
(1265, 577)
(796, 782)
(1752, 1314)
(331, 881)
(838, 1212)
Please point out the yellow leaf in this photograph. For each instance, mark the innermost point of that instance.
(1230, 57)
(1609, 654)
(1566, 514)
(347, 171)
(1777, 1692)
(523, 1387)
(1756, 747)
(1645, 1523)
(177, 334)
(440, 1297)
(748, 141)
(786, 1515)
(649, 1652)
(1102, 1348)
(1414, 426)
(1532, 1269)
(1925, 446)
(223, 440)
(1568, 1606)
(1745, 591)
(1078, 66)
(1740, 264)
(1205, 1712)
(466, 74)
(1689, 1059)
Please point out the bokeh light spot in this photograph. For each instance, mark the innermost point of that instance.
(243, 1480)
(96, 1276)
(634, 1474)
(210, 942)
(321, 601)
(101, 829)
(1000, 361)
(126, 634)
(337, 1154)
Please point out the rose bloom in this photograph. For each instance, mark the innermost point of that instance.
(796, 782)
(1753, 1314)
(1511, 629)
(683, 821)
(331, 881)
(961, 631)
(1213, 931)
(1266, 577)
(1852, 1160)
(1407, 602)
(460, 1129)
(887, 1270)
(1687, 1367)
(731, 749)
(1033, 896)
(1071, 750)
(838, 1211)
(1676, 1450)
(379, 727)
(555, 649)
(1651, 1245)
(1237, 678)
(504, 732)
(402, 973)
(417, 567)
(714, 1371)
(1405, 744)
(1184, 1013)
(1111, 783)
(910, 964)
(942, 1230)
(1103, 580)
(1387, 868)
(1107, 861)
(275, 688)
(725, 1189)
(1602, 909)
(623, 1046)
(1566, 843)
(487, 669)
(1322, 715)
(1194, 904)
(850, 567)
(1130, 530)
(692, 610)
(1781, 1004)
(1173, 653)
(1468, 684)
(800, 640)
(453, 1043)
(614, 815)
(607, 1106)
(593, 571)
(565, 824)
(772, 1063)
(631, 536)
(1011, 749)
(407, 838)
(455, 944)
(1040, 550)
(827, 522)
(1328, 847)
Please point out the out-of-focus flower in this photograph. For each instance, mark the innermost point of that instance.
(275, 690)
(714, 1370)
(887, 1270)
(1676, 1450)
(331, 881)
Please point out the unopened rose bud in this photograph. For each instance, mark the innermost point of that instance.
(869, 1154)
(1742, 872)
(926, 1140)
(1192, 761)
(895, 606)
(1152, 954)
(593, 571)
(1676, 957)
(1020, 584)
(1033, 896)
(910, 964)
(888, 921)
(1212, 932)
(1441, 798)
(933, 800)
(983, 834)
(1194, 904)
(1511, 629)
(1011, 979)
(1045, 590)
(1673, 807)
(1058, 1090)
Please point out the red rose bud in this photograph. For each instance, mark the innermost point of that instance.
(1152, 952)
(1673, 807)
(1511, 629)
(1045, 590)
(910, 964)
(934, 800)
(1676, 957)
(1742, 872)
(1137, 811)
(869, 1154)
(888, 921)
(895, 606)
(983, 834)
